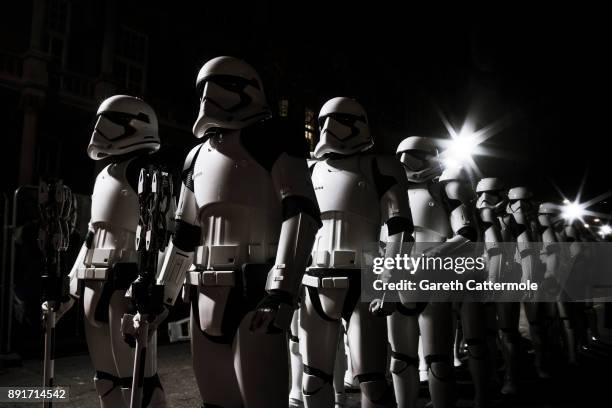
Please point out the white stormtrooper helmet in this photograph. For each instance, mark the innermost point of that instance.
(124, 124)
(343, 124)
(231, 96)
(549, 214)
(491, 193)
(419, 156)
(520, 204)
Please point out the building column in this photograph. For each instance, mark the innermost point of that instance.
(35, 83)
(105, 85)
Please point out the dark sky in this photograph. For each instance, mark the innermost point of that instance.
(543, 71)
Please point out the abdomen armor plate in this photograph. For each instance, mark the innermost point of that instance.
(114, 204)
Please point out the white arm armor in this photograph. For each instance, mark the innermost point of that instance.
(395, 209)
(79, 263)
(529, 256)
(550, 253)
(525, 244)
(74, 280)
(172, 273)
(394, 205)
(294, 246)
(301, 222)
(492, 239)
(176, 260)
(462, 218)
(550, 244)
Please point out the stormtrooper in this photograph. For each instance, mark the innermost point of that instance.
(493, 200)
(525, 229)
(579, 317)
(444, 221)
(556, 258)
(125, 133)
(246, 220)
(358, 193)
(478, 318)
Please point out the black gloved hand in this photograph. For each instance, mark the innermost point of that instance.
(273, 313)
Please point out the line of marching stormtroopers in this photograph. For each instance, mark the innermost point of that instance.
(260, 229)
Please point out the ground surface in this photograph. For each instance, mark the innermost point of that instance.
(581, 386)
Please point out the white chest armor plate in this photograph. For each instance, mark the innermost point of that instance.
(238, 206)
(114, 203)
(350, 211)
(431, 221)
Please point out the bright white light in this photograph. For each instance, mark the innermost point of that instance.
(605, 230)
(566, 201)
(587, 226)
(459, 151)
(572, 211)
(451, 163)
(462, 147)
(596, 220)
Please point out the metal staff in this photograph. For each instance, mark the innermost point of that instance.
(55, 204)
(154, 197)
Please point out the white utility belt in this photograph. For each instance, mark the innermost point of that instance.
(229, 256)
(328, 282)
(92, 273)
(211, 278)
(334, 259)
(99, 262)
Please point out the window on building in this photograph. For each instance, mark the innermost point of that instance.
(131, 59)
(310, 127)
(283, 108)
(58, 26)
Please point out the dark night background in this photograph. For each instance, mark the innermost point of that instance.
(541, 69)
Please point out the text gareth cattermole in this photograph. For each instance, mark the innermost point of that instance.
(423, 263)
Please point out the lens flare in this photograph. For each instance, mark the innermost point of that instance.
(572, 211)
(605, 230)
